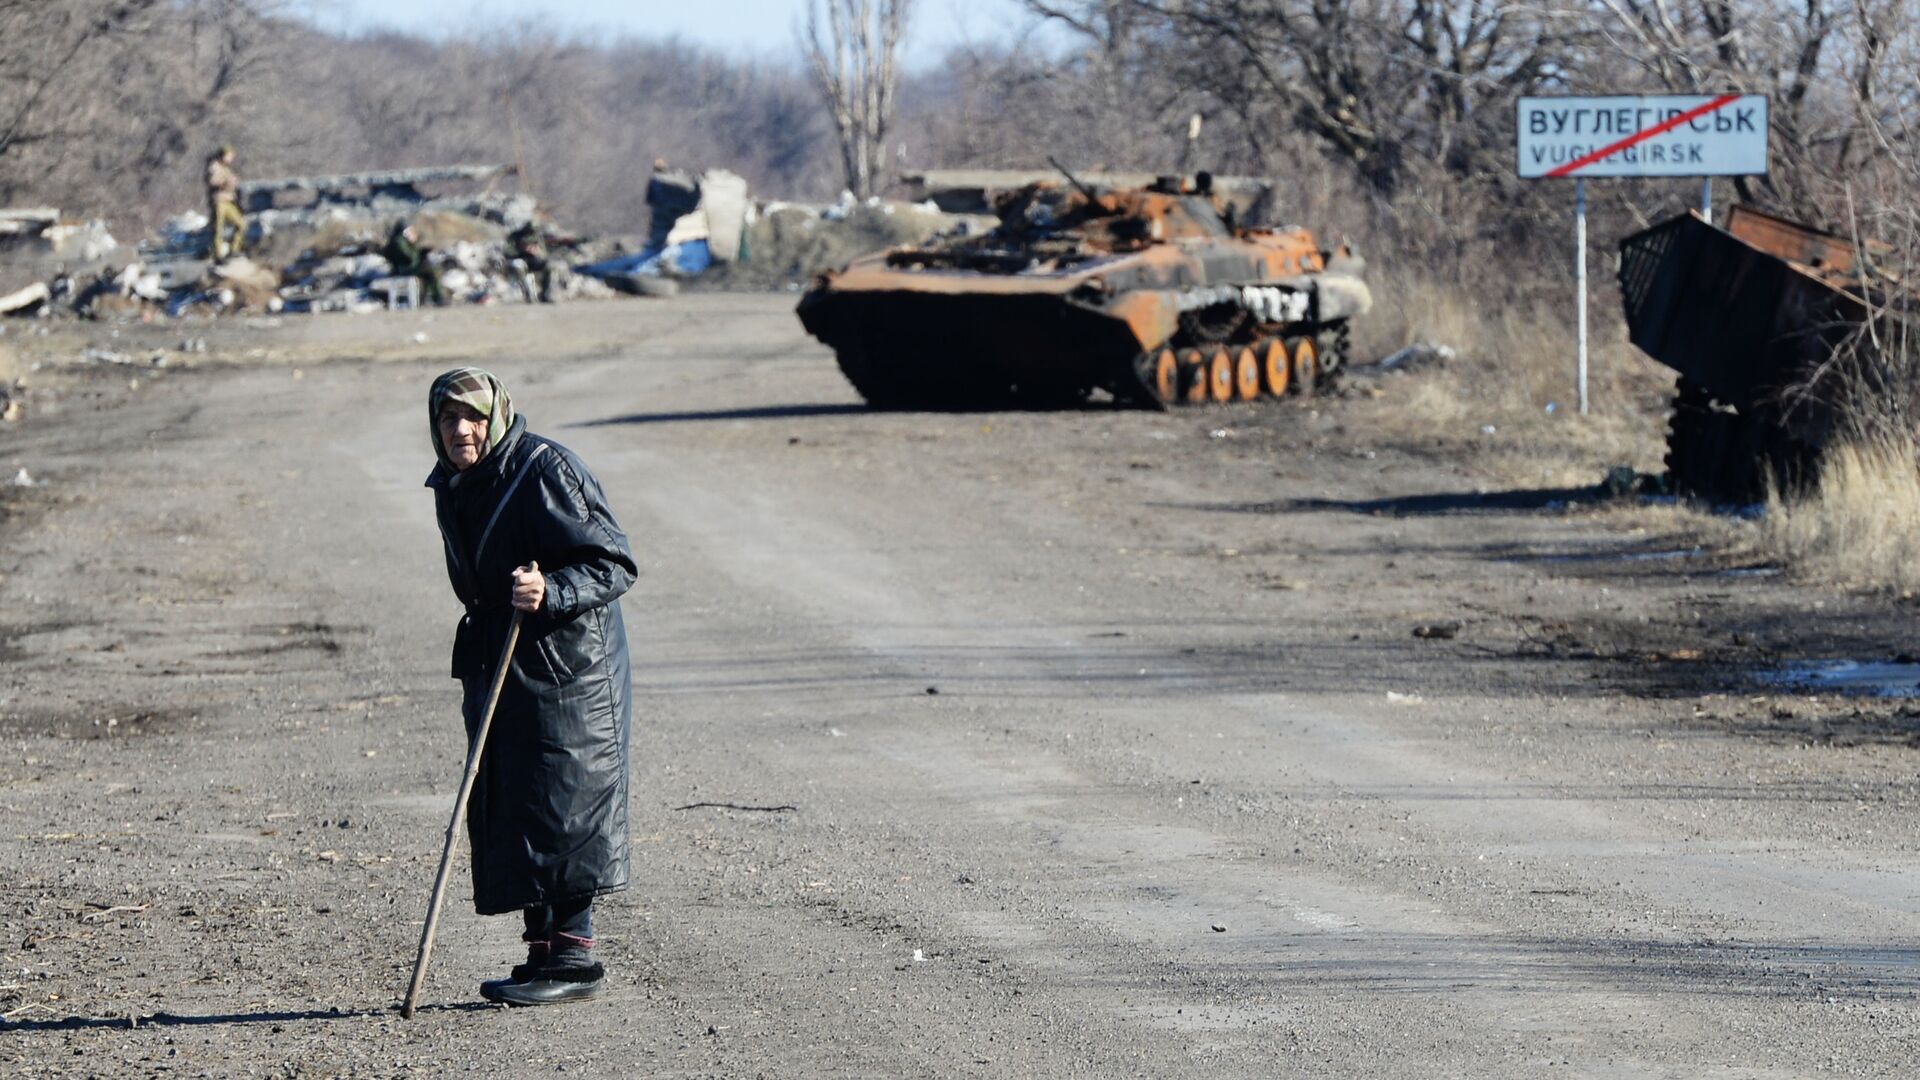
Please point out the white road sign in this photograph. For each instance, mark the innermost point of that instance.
(1661, 135)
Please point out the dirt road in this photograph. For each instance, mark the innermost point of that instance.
(966, 745)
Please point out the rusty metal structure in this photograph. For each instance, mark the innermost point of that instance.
(1153, 294)
(1751, 317)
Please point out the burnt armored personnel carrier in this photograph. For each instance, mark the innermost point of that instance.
(1154, 295)
(1752, 317)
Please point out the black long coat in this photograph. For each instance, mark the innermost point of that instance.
(548, 819)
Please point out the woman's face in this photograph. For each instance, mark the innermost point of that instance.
(463, 433)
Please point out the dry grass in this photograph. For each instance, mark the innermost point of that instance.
(1860, 527)
(1514, 372)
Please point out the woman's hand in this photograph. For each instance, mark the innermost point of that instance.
(529, 587)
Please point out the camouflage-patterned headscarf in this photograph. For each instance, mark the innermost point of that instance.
(476, 388)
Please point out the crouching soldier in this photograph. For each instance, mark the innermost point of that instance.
(408, 257)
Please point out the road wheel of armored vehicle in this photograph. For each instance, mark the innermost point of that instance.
(1220, 374)
(1276, 366)
(1306, 367)
(1163, 375)
(1246, 374)
(1194, 380)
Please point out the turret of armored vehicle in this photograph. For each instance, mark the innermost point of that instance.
(1153, 295)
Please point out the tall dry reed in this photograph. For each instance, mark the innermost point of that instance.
(1859, 525)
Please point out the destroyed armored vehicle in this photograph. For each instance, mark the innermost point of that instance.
(1753, 317)
(1152, 294)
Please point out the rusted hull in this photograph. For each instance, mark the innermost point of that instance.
(1078, 291)
(1750, 317)
(969, 349)
(1745, 324)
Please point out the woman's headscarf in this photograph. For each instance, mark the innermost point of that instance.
(477, 389)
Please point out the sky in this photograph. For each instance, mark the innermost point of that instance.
(740, 27)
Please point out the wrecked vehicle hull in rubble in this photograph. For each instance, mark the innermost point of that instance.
(1753, 318)
(1151, 295)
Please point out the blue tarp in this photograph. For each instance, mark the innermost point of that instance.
(684, 259)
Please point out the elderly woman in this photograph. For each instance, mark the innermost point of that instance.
(527, 528)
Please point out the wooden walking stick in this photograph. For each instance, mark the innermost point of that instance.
(459, 815)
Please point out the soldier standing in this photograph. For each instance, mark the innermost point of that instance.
(223, 204)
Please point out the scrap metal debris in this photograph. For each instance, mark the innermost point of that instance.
(1762, 319)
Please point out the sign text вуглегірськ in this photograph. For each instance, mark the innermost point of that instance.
(1659, 135)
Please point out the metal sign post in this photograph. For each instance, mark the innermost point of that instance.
(1673, 135)
(1580, 280)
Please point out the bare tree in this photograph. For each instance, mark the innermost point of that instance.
(1112, 103)
(50, 55)
(855, 68)
(107, 106)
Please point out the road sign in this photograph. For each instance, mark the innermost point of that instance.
(1661, 135)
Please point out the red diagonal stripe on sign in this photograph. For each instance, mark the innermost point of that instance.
(1695, 113)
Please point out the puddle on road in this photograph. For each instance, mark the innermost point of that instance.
(1865, 678)
(1657, 556)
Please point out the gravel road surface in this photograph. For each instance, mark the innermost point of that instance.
(1023, 744)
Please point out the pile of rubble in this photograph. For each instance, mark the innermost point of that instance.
(42, 234)
(46, 229)
(328, 244)
(327, 252)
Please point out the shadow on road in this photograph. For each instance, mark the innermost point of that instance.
(172, 1020)
(1427, 505)
(791, 412)
(758, 412)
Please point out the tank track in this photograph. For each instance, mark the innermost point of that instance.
(1214, 325)
(1331, 350)
(1717, 453)
(1338, 348)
